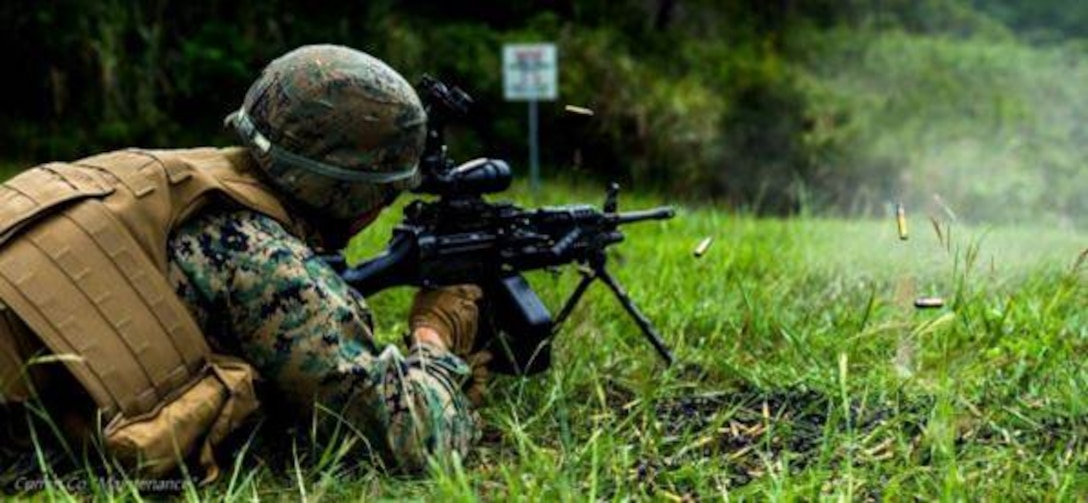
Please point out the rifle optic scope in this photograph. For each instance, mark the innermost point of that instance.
(473, 178)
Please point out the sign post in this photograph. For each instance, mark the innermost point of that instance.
(530, 73)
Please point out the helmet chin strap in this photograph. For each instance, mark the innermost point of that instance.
(248, 131)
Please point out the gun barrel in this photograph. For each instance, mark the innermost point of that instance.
(662, 213)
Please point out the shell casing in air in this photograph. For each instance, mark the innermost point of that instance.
(901, 221)
(928, 302)
(703, 246)
(574, 109)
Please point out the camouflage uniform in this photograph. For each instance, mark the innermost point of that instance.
(260, 293)
(336, 134)
(339, 134)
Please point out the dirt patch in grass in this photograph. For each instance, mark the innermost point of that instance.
(753, 431)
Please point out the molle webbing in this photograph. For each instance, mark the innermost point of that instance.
(44, 188)
(62, 280)
(83, 262)
(83, 265)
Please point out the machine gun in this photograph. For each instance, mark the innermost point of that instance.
(463, 238)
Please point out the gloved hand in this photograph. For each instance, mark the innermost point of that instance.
(451, 312)
(476, 385)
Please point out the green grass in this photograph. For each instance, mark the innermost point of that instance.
(803, 371)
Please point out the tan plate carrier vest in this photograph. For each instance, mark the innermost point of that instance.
(83, 262)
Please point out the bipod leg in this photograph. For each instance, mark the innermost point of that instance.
(643, 323)
(572, 301)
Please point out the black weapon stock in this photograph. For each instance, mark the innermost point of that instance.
(462, 238)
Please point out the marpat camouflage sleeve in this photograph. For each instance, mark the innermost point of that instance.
(260, 293)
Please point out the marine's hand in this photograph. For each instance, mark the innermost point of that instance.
(451, 312)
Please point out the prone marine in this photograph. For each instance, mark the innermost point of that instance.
(182, 290)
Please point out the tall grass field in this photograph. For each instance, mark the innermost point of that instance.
(803, 371)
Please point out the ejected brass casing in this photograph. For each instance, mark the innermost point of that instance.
(928, 302)
(703, 246)
(901, 221)
(574, 109)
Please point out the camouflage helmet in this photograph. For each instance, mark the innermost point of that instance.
(336, 129)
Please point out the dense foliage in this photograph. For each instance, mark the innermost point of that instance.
(773, 106)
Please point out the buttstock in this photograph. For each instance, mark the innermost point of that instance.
(393, 267)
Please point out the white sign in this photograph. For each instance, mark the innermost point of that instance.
(530, 72)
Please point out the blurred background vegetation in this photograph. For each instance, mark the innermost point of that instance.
(976, 108)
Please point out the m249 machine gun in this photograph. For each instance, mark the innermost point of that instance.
(462, 238)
